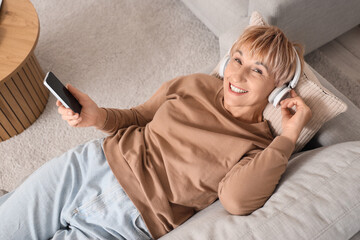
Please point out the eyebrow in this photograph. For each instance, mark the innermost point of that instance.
(258, 63)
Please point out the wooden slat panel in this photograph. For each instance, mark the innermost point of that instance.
(15, 106)
(33, 58)
(34, 83)
(38, 73)
(5, 122)
(29, 114)
(25, 93)
(31, 89)
(3, 134)
(8, 112)
(41, 73)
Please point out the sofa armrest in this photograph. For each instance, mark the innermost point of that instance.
(313, 23)
(218, 16)
(227, 39)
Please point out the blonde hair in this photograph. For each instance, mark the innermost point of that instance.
(270, 46)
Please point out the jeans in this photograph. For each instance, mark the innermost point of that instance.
(74, 196)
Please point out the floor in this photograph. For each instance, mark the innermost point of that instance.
(339, 62)
(344, 51)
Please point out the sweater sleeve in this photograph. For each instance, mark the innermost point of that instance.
(248, 185)
(139, 115)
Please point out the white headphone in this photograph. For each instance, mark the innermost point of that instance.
(278, 93)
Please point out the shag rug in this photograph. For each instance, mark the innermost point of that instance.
(119, 53)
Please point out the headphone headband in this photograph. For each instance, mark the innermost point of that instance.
(296, 77)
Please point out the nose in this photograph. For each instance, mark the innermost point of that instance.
(240, 74)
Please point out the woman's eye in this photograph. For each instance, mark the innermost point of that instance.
(255, 70)
(258, 71)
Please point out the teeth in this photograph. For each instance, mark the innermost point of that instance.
(235, 89)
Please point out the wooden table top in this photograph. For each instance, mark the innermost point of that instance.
(19, 32)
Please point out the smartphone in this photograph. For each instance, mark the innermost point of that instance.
(61, 93)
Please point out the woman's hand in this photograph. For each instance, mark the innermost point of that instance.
(91, 114)
(293, 123)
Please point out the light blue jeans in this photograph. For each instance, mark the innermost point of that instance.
(74, 196)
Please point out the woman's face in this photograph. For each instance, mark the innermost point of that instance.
(246, 81)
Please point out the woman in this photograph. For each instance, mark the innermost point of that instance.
(197, 139)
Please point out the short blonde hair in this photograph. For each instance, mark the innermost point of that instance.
(270, 46)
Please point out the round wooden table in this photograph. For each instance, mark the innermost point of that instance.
(22, 94)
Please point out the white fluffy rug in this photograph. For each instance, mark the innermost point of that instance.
(118, 52)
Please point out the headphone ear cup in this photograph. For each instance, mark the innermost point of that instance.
(223, 65)
(282, 95)
(274, 93)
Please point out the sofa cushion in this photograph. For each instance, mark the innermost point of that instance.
(318, 197)
(323, 104)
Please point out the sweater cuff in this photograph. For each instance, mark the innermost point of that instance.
(284, 145)
(110, 120)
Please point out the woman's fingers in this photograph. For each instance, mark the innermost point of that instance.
(293, 93)
(285, 103)
(295, 100)
(61, 110)
(74, 122)
(292, 102)
(65, 111)
(299, 104)
(70, 117)
(286, 113)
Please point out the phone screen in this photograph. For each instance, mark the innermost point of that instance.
(61, 92)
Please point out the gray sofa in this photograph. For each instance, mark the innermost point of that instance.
(312, 23)
(318, 197)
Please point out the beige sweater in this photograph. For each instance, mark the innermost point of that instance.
(181, 150)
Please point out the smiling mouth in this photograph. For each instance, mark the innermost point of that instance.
(236, 90)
